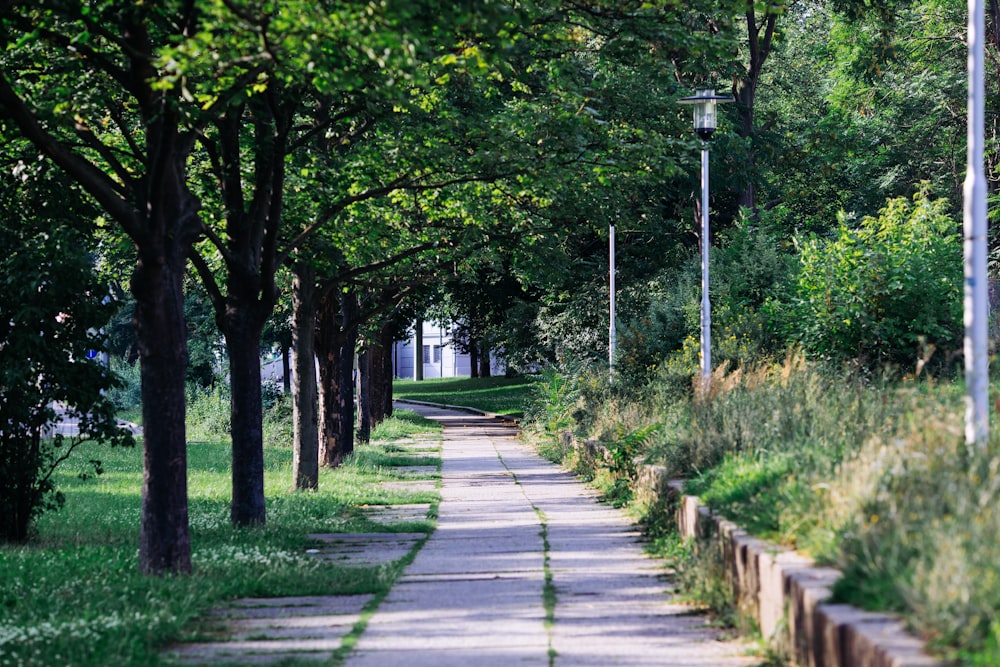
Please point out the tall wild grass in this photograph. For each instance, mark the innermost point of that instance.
(871, 476)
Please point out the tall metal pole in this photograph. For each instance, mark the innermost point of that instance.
(976, 286)
(706, 306)
(612, 334)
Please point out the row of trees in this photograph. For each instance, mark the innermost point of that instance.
(371, 150)
(341, 162)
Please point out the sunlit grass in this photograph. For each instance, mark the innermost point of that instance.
(75, 596)
(502, 395)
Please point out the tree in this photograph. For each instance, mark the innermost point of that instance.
(114, 121)
(761, 29)
(52, 308)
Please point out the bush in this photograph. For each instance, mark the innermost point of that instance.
(209, 412)
(127, 395)
(51, 309)
(887, 292)
(749, 270)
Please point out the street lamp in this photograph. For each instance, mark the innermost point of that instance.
(705, 121)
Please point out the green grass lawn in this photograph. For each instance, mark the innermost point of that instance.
(74, 595)
(502, 395)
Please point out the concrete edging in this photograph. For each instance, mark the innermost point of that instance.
(461, 408)
(788, 595)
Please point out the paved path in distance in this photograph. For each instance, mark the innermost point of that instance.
(527, 568)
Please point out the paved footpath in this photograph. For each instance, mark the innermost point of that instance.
(509, 522)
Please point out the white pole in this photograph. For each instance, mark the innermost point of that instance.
(612, 334)
(976, 287)
(706, 306)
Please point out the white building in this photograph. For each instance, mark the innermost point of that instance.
(439, 355)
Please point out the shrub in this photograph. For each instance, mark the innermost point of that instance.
(749, 270)
(885, 292)
(209, 412)
(51, 309)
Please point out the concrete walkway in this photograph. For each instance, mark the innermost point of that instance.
(526, 568)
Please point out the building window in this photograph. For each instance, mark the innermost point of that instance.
(437, 354)
(427, 354)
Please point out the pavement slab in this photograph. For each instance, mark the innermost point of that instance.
(412, 485)
(269, 631)
(363, 549)
(397, 513)
(474, 593)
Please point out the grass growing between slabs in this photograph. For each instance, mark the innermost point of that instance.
(502, 395)
(74, 595)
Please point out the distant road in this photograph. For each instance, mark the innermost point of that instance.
(67, 424)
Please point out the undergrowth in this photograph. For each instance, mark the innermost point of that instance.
(871, 476)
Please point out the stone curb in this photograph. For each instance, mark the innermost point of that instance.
(461, 408)
(788, 595)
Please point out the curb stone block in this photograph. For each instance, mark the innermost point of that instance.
(651, 486)
(808, 588)
(787, 595)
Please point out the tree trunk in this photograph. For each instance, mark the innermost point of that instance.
(759, 39)
(381, 376)
(328, 358)
(305, 457)
(161, 332)
(473, 359)
(286, 370)
(484, 363)
(243, 344)
(335, 341)
(365, 394)
(345, 395)
(418, 352)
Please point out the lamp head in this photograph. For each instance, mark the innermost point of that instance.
(705, 113)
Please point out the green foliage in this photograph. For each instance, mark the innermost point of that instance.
(209, 416)
(403, 424)
(885, 292)
(553, 401)
(624, 450)
(749, 271)
(52, 308)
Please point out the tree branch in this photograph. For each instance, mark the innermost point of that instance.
(92, 179)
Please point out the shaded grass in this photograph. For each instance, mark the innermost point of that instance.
(404, 424)
(502, 395)
(74, 596)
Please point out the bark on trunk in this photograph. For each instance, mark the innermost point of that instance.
(305, 457)
(247, 508)
(484, 363)
(759, 38)
(418, 353)
(286, 370)
(345, 398)
(473, 359)
(335, 340)
(365, 415)
(328, 357)
(161, 331)
(381, 376)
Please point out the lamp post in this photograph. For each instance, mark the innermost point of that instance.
(705, 121)
(977, 425)
(612, 333)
